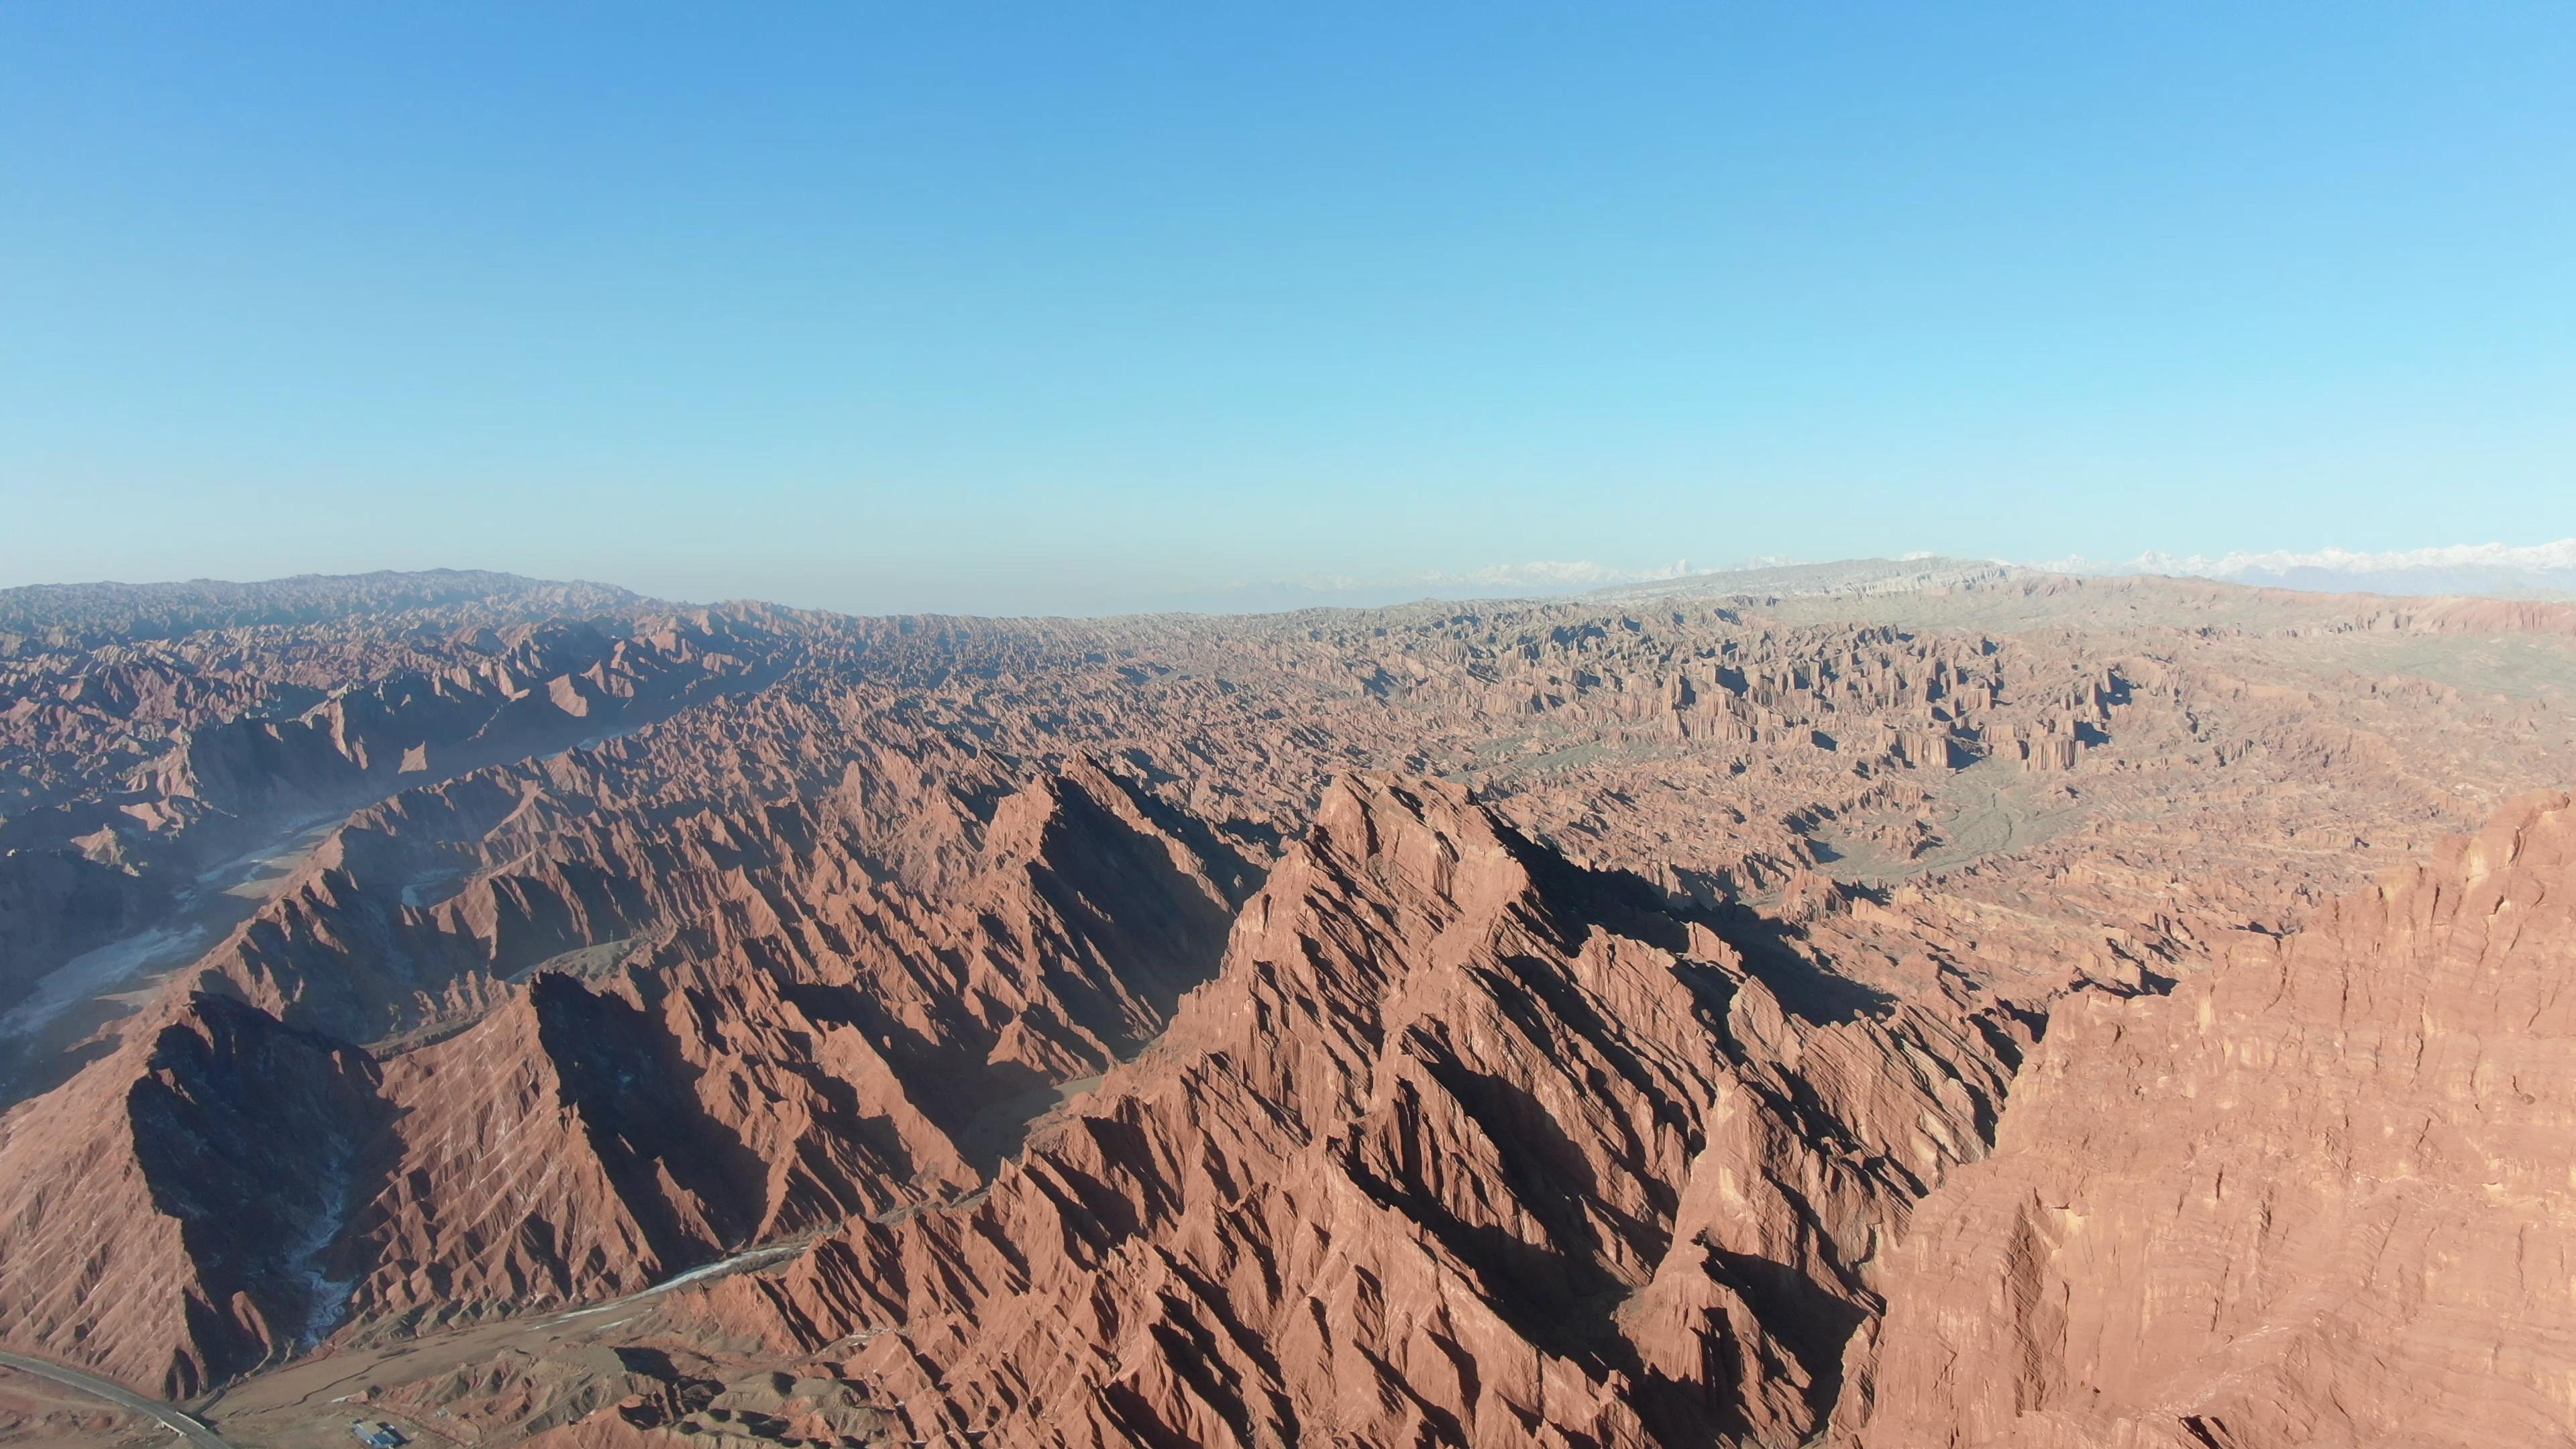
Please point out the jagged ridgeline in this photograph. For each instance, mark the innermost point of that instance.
(1889, 1004)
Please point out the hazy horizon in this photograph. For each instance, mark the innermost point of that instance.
(2544, 570)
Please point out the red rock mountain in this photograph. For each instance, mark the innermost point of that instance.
(2321, 1195)
(1463, 1144)
(1905, 1005)
(170, 1210)
(816, 1044)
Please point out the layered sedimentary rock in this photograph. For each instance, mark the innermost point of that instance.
(134, 771)
(1585, 1107)
(1464, 1144)
(171, 1211)
(2320, 1195)
(816, 1043)
(779, 1065)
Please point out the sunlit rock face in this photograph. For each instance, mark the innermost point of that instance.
(1918, 1008)
(1463, 1142)
(2320, 1194)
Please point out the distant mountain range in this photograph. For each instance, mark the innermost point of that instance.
(2536, 570)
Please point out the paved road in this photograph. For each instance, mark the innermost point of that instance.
(196, 1433)
(756, 1257)
(179, 1420)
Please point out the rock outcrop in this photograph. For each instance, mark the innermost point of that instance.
(2320, 1195)
(131, 774)
(1465, 1144)
(172, 1211)
(816, 1043)
(1456, 1023)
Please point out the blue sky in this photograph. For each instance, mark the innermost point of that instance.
(1081, 307)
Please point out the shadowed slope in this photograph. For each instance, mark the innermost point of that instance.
(816, 1040)
(1464, 1145)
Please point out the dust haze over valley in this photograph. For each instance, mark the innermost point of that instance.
(1761, 1007)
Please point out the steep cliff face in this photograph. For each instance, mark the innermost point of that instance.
(815, 1041)
(669, 933)
(815, 1045)
(2320, 1196)
(558, 1150)
(178, 1202)
(887, 851)
(1464, 1144)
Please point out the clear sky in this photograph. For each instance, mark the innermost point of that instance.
(1076, 307)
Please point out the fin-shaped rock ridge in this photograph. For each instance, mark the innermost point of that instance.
(1464, 1144)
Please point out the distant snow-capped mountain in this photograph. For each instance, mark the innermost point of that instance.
(2467, 568)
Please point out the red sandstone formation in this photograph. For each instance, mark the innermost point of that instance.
(1463, 1144)
(1599, 1106)
(134, 770)
(787, 1060)
(171, 1210)
(2320, 1195)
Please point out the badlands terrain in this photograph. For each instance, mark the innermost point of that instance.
(1880, 1004)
